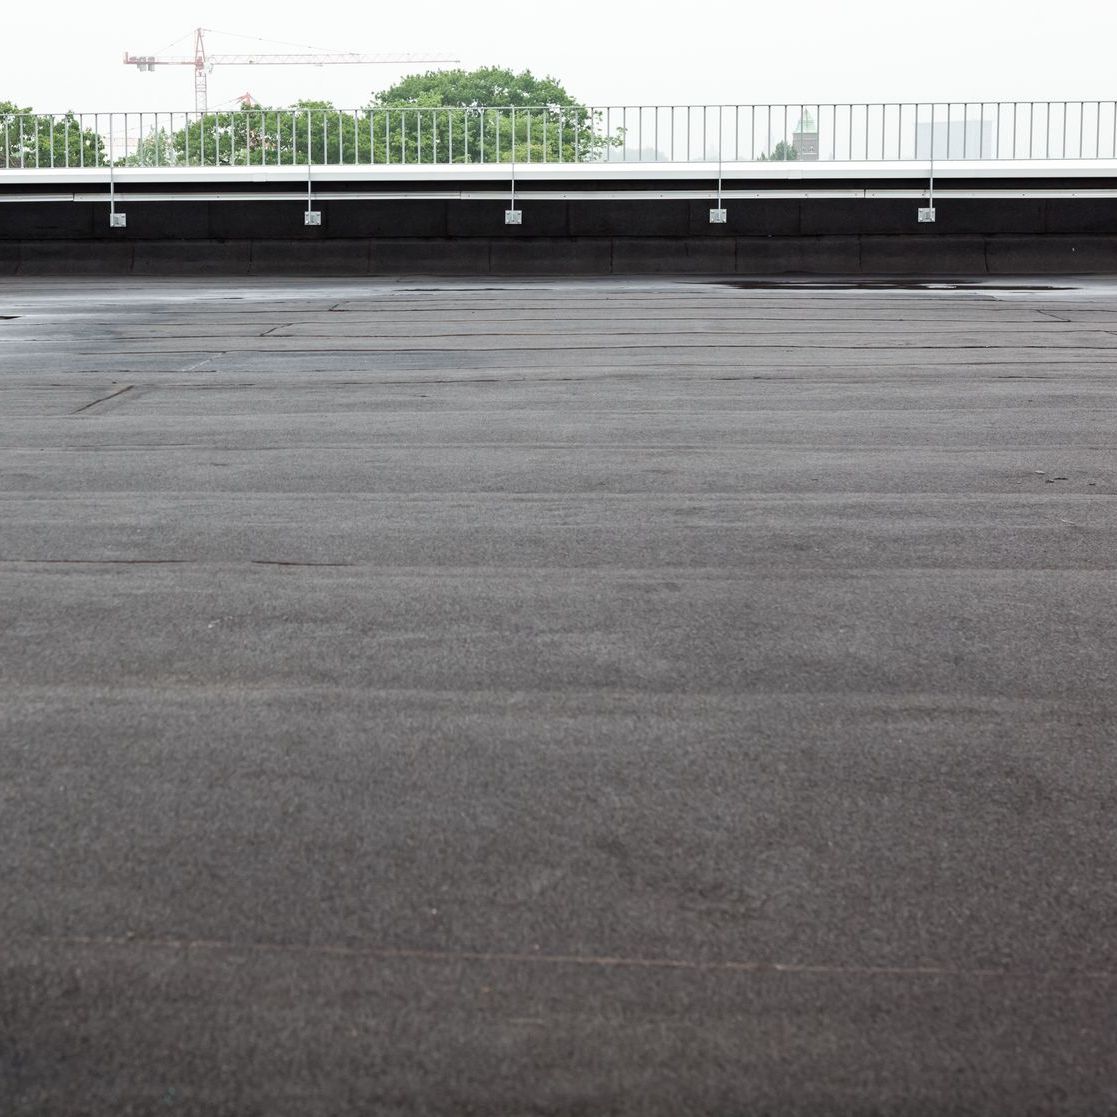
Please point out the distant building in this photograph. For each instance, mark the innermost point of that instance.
(805, 137)
(955, 139)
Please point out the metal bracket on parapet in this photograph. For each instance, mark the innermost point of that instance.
(513, 216)
(718, 215)
(312, 216)
(116, 220)
(927, 213)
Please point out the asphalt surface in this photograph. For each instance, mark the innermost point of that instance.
(653, 697)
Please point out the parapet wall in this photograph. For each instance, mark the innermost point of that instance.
(1003, 224)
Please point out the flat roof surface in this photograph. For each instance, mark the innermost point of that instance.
(631, 697)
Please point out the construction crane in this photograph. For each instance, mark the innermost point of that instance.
(203, 62)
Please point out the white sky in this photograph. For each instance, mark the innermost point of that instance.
(60, 56)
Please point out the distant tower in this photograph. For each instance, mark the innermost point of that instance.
(805, 137)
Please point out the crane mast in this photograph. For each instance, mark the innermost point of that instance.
(201, 87)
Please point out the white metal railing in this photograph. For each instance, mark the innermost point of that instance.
(881, 132)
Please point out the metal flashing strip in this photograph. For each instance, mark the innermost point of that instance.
(551, 195)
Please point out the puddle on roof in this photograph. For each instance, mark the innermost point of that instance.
(882, 285)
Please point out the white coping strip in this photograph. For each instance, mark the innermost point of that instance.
(605, 172)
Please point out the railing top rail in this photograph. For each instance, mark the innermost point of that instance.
(572, 105)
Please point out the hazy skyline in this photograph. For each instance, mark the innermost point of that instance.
(717, 53)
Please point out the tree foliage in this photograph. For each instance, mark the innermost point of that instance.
(489, 85)
(34, 140)
(781, 152)
(531, 119)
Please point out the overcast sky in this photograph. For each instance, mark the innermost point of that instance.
(59, 57)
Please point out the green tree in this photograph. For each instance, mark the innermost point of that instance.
(156, 149)
(33, 140)
(308, 131)
(490, 115)
(249, 136)
(490, 85)
(783, 151)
